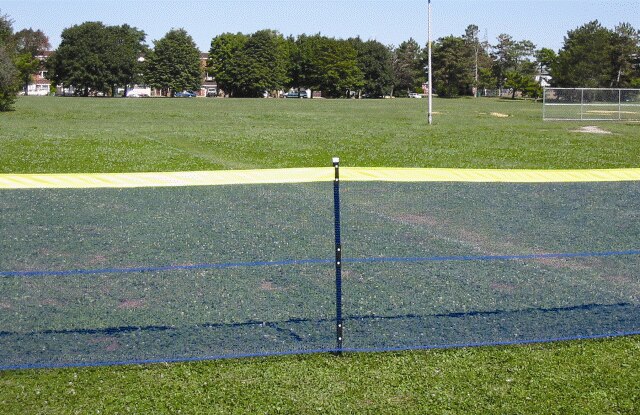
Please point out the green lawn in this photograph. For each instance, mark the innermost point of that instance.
(46, 135)
(122, 135)
(589, 377)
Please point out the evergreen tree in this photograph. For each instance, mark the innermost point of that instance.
(474, 49)
(408, 70)
(625, 48)
(512, 56)
(453, 73)
(546, 59)
(585, 60)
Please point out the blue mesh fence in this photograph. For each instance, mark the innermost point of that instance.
(104, 276)
(441, 264)
(96, 276)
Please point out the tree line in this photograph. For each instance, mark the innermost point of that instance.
(93, 57)
(19, 60)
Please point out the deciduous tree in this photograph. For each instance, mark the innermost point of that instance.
(263, 64)
(8, 72)
(126, 45)
(224, 61)
(30, 47)
(94, 58)
(174, 63)
(329, 65)
(376, 64)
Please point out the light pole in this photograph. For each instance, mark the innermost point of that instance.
(429, 86)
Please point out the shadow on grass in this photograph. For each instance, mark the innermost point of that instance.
(159, 343)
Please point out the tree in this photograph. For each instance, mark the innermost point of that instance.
(6, 30)
(174, 63)
(482, 63)
(585, 58)
(95, 58)
(30, 47)
(125, 46)
(336, 64)
(546, 59)
(375, 62)
(224, 61)
(328, 64)
(453, 73)
(625, 44)
(523, 81)
(8, 75)
(472, 42)
(8, 72)
(510, 55)
(294, 68)
(263, 64)
(79, 60)
(302, 67)
(512, 63)
(408, 70)
(27, 66)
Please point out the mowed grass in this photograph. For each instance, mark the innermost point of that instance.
(589, 377)
(123, 135)
(47, 135)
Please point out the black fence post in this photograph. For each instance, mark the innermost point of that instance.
(336, 210)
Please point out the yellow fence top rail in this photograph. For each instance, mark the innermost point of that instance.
(307, 175)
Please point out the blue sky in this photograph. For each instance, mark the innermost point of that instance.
(545, 22)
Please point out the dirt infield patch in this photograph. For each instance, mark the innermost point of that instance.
(591, 129)
(604, 112)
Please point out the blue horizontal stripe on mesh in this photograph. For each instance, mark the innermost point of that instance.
(495, 257)
(43, 273)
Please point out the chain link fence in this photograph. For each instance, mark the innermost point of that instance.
(591, 104)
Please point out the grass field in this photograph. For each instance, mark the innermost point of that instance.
(107, 135)
(118, 135)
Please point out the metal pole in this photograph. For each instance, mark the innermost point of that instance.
(430, 86)
(338, 262)
(619, 104)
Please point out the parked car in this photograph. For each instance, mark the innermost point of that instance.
(185, 94)
(414, 95)
(296, 94)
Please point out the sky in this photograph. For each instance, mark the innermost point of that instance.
(544, 22)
